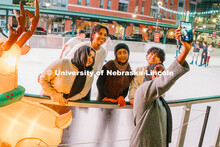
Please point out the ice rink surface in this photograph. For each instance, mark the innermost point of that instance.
(90, 125)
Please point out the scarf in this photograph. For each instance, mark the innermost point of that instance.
(121, 66)
(169, 120)
(79, 60)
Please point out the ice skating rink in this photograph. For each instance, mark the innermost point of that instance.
(91, 125)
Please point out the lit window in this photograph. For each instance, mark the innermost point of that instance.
(54, 2)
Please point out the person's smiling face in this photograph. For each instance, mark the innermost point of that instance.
(122, 55)
(91, 58)
(152, 58)
(157, 69)
(100, 37)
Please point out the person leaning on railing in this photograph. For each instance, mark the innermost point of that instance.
(152, 115)
(114, 88)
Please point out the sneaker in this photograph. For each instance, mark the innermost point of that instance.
(191, 62)
(196, 62)
(200, 65)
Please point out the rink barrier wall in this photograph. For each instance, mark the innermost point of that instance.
(186, 103)
(57, 42)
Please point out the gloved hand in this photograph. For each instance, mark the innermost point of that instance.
(121, 101)
(110, 100)
(59, 98)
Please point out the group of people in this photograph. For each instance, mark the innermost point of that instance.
(152, 115)
(207, 51)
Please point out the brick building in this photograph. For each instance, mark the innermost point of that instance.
(134, 9)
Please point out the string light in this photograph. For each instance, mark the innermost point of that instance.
(191, 13)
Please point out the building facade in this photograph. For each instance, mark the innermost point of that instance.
(134, 9)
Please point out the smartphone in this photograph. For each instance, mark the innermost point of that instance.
(186, 31)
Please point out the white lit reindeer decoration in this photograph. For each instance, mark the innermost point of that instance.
(24, 123)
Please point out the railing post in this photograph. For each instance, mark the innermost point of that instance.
(217, 140)
(204, 126)
(183, 129)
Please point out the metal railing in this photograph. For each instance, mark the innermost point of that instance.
(186, 103)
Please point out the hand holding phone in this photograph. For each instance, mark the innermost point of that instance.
(186, 31)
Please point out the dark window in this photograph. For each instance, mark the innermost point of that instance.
(166, 2)
(101, 3)
(164, 16)
(109, 4)
(79, 2)
(123, 7)
(170, 15)
(181, 4)
(192, 8)
(136, 9)
(171, 3)
(142, 10)
(59, 3)
(153, 12)
(153, 2)
(87, 2)
(63, 4)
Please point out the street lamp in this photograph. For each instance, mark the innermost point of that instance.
(133, 15)
(159, 3)
(47, 4)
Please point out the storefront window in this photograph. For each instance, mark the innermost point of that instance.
(136, 30)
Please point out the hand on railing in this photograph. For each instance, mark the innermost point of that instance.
(34, 21)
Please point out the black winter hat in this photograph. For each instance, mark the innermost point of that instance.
(120, 46)
(80, 31)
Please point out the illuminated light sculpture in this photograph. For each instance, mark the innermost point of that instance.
(24, 123)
